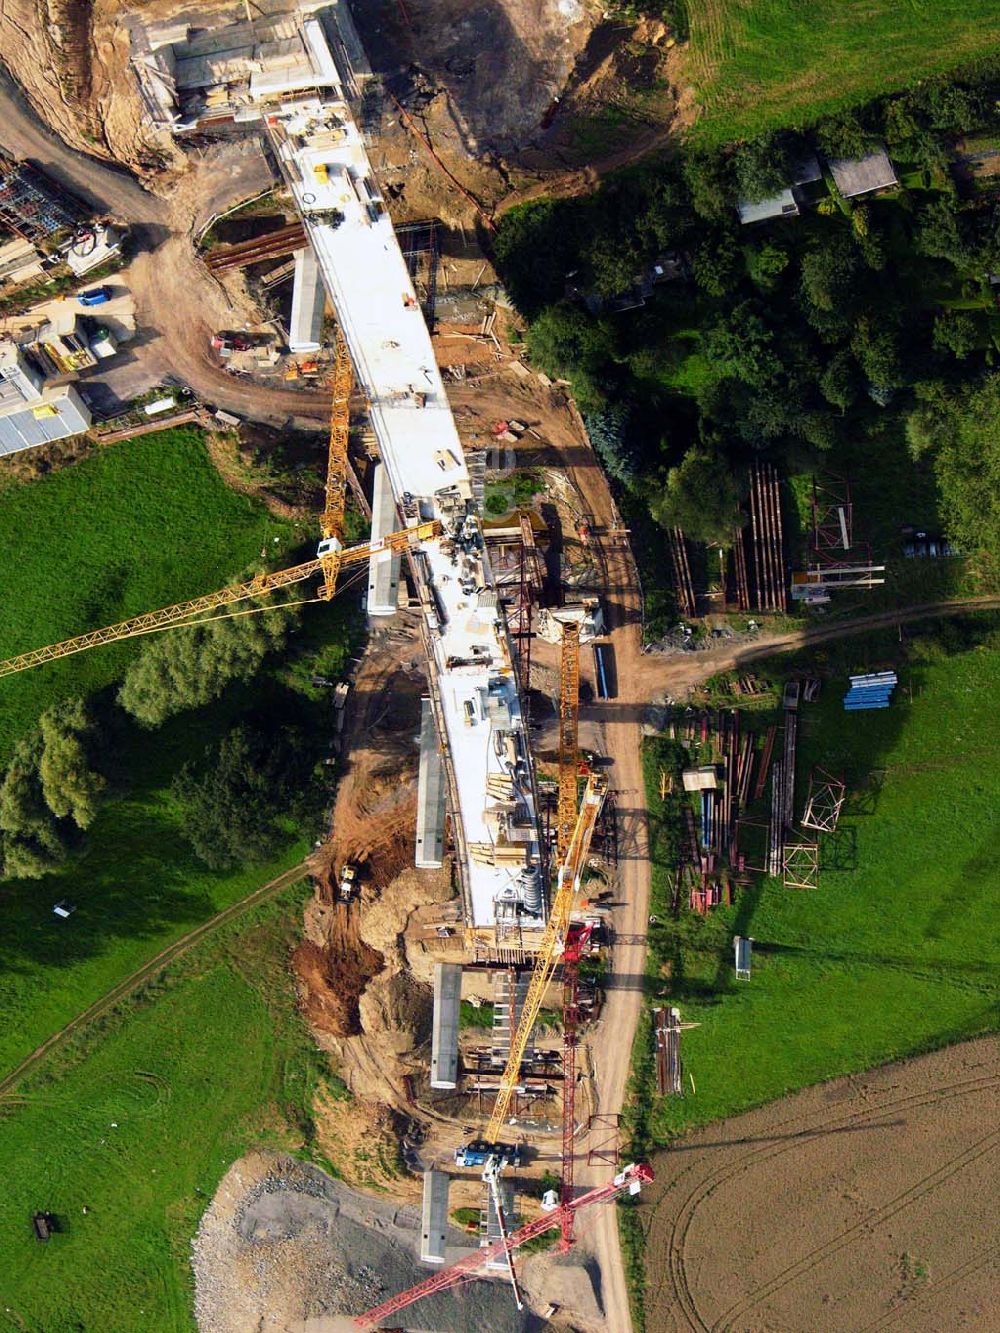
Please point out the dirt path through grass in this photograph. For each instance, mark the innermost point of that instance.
(166, 956)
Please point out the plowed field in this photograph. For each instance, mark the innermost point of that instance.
(866, 1203)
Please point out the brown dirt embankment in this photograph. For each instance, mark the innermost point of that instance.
(861, 1204)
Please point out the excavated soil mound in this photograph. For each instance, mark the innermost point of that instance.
(332, 980)
(865, 1203)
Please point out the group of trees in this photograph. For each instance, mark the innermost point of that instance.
(791, 337)
(241, 800)
(51, 790)
(192, 668)
(57, 776)
(960, 433)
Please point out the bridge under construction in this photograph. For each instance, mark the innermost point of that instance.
(474, 685)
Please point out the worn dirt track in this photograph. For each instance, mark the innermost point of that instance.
(861, 1204)
(166, 956)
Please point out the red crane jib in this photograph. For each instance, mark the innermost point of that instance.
(466, 1267)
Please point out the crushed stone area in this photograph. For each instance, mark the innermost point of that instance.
(283, 1245)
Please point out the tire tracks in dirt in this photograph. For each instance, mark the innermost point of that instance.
(905, 1308)
(131, 983)
(677, 1244)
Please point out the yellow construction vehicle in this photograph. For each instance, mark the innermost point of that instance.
(569, 713)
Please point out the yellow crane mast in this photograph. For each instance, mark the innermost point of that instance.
(332, 520)
(569, 713)
(567, 889)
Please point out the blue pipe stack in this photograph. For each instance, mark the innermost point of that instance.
(872, 691)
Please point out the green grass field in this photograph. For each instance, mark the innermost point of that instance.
(895, 952)
(139, 526)
(140, 1124)
(787, 62)
(137, 887)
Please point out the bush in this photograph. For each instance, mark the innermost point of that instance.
(701, 496)
(237, 804)
(608, 431)
(188, 668)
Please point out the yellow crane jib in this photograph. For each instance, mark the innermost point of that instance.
(567, 889)
(569, 711)
(185, 614)
(332, 520)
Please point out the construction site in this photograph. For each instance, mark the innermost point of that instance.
(473, 956)
(463, 874)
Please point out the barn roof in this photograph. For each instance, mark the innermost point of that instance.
(861, 175)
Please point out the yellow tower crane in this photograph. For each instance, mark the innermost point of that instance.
(331, 523)
(185, 614)
(567, 891)
(569, 714)
(331, 554)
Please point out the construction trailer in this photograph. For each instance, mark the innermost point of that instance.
(743, 949)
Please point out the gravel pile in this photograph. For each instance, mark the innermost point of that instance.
(277, 1253)
(282, 1242)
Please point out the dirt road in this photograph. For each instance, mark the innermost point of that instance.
(655, 675)
(178, 304)
(859, 1204)
(166, 956)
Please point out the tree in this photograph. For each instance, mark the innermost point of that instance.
(33, 843)
(956, 332)
(743, 346)
(839, 381)
(952, 108)
(535, 248)
(716, 264)
(763, 166)
(878, 353)
(963, 435)
(237, 802)
(701, 496)
(568, 343)
(940, 234)
(830, 276)
(608, 431)
(709, 183)
(765, 265)
(188, 668)
(845, 135)
(71, 788)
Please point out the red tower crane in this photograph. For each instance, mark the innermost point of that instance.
(629, 1180)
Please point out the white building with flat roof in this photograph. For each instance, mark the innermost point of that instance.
(31, 412)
